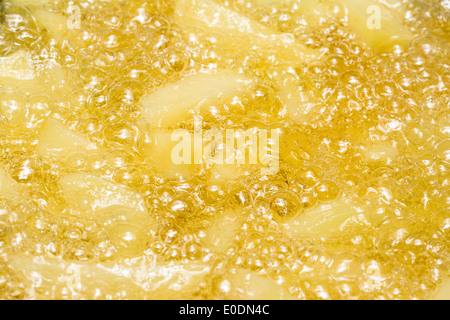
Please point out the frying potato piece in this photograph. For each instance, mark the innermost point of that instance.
(382, 37)
(313, 11)
(161, 152)
(121, 211)
(176, 102)
(211, 15)
(296, 106)
(87, 193)
(57, 141)
(173, 280)
(444, 292)
(249, 285)
(55, 24)
(8, 186)
(30, 2)
(177, 158)
(292, 102)
(17, 66)
(223, 230)
(19, 73)
(230, 171)
(239, 31)
(323, 220)
(270, 2)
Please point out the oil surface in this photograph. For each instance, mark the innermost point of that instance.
(359, 208)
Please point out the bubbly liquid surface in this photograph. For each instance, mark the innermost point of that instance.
(359, 208)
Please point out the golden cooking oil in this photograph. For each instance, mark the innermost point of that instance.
(359, 208)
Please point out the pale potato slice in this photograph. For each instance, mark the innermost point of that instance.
(57, 141)
(249, 285)
(296, 105)
(8, 186)
(175, 280)
(17, 66)
(87, 193)
(19, 73)
(165, 155)
(312, 11)
(271, 2)
(322, 221)
(30, 2)
(55, 24)
(380, 38)
(86, 280)
(176, 156)
(291, 99)
(223, 230)
(120, 210)
(13, 109)
(239, 31)
(177, 102)
(230, 171)
(211, 15)
(444, 292)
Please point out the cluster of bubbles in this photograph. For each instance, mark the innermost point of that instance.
(378, 134)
